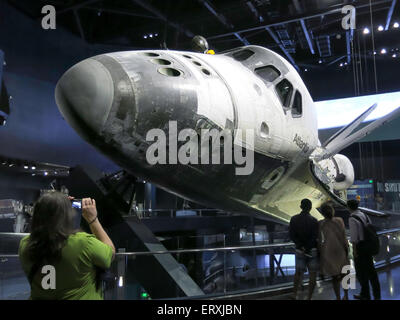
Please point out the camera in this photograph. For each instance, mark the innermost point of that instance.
(77, 205)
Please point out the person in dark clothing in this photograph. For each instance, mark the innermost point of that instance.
(363, 261)
(303, 231)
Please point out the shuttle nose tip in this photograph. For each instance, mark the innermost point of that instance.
(84, 95)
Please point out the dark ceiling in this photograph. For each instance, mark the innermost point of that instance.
(308, 33)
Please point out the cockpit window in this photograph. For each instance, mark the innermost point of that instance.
(268, 73)
(242, 55)
(297, 107)
(285, 91)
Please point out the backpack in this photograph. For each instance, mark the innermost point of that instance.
(371, 244)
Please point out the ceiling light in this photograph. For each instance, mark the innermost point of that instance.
(394, 55)
(396, 25)
(320, 61)
(46, 173)
(26, 167)
(366, 31)
(383, 51)
(144, 37)
(33, 168)
(341, 64)
(381, 28)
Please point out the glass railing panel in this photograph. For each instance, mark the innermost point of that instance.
(389, 247)
(216, 271)
(13, 282)
(220, 272)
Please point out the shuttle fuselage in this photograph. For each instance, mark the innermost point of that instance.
(114, 100)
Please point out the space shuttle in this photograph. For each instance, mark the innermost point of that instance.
(113, 101)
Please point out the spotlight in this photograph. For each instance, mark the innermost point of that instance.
(151, 35)
(46, 173)
(383, 51)
(320, 61)
(366, 31)
(11, 165)
(396, 25)
(305, 70)
(341, 64)
(26, 167)
(394, 55)
(33, 168)
(33, 174)
(381, 28)
(144, 37)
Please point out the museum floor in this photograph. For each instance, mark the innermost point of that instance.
(389, 279)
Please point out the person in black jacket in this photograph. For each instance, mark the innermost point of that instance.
(363, 260)
(303, 231)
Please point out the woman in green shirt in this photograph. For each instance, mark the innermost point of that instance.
(73, 256)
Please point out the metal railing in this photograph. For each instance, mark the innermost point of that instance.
(174, 213)
(263, 275)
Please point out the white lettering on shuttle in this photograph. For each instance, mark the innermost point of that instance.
(188, 153)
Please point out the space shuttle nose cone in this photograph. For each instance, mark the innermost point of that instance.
(84, 95)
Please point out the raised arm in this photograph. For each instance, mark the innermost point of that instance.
(89, 213)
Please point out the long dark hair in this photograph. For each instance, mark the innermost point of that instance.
(52, 224)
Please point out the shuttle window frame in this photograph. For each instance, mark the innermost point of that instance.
(297, 112)
(276, 73)
(286, 99)
(243, 55)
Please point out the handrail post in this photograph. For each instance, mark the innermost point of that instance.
(224, 265)
(121, 272)
(387, 255)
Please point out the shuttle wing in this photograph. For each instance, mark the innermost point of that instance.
(345, 131)
(346, 136)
